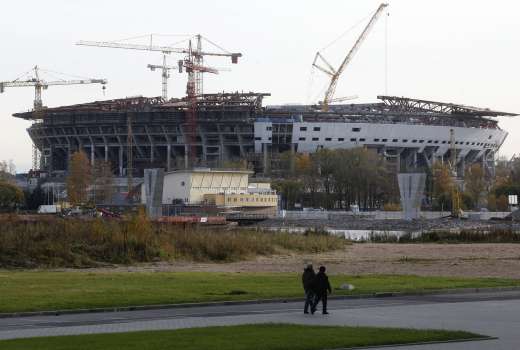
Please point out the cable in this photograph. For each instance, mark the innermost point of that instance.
(217, 46)
(386, 52)
(346, 32)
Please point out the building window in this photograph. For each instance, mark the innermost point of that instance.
(270, 138)
(301, 139)
(429, 141)
(356, 129)
(421, 141)
(182, 183)
(315, 139)
(443, 141)
(316, 128)
(353, 140)
(341, 139)
(395, 140)
(328, 139)
(361, 140)
(303, 128)
(405, 140)
(258, 139)
(384, 140)
(436, 141)
(376, 140)
(269, 128)
(414, 141)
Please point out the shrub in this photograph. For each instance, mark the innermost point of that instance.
(79, 243)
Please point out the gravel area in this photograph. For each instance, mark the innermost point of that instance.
(460, 260)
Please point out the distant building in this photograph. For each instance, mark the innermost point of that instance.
(224, 189)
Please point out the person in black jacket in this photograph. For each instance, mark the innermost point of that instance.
(307, 281)
(321, 286)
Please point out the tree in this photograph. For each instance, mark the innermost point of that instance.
(11, 196)
(103, 182)
(475, 183)
(442, 186)
(35, 198)
(502, 203)
(290, 190)
(79, 178)
(7, 170)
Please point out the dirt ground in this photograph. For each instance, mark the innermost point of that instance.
(461, 260)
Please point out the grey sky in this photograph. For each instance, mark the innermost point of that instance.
(455, 51)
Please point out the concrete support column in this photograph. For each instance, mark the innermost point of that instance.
(266, 159)
(106, 153)
(186, 153)
(50, 159)
(120, 160)
(151, 153)
(168, 157)
(293, 158)
(92, 154)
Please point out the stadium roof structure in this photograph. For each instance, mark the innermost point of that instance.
(411, 105)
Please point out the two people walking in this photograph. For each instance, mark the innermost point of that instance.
(316, 287)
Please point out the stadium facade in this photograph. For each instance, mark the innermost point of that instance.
(236, 126)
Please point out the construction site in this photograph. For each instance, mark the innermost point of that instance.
(221, 130)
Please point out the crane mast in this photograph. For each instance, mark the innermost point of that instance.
(40, 84)
(328, 69)
(165, 74)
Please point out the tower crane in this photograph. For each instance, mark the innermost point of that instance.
(194, 54)
(334, 74)
(165, 75)
(193, 64)
(40, 84)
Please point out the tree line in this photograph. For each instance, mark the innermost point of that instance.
(337, 179)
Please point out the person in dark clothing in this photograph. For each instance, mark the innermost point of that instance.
(321, 287)
(307, 281)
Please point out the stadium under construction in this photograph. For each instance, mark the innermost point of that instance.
(236, 126)
(217, 130)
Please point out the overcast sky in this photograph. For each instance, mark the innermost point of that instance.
(455, 51)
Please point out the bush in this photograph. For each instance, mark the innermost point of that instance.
(392, 207)
(79, 243)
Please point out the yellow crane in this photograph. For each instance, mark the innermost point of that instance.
(323, 65)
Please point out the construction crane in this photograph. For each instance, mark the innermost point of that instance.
(193, 64)
(196, 55)
(40, 84)
(165, 75)
(334, 74)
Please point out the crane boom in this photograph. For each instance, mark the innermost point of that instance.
(335, 74)
(51, 83)
(40, 84)
(164, 49)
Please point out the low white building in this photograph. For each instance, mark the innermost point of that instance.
(190, 186)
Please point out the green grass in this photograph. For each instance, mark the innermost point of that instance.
(246, 337)
(31, 291)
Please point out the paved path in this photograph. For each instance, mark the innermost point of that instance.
(494, 314)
